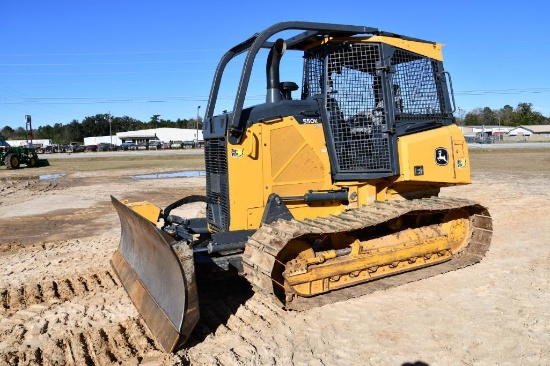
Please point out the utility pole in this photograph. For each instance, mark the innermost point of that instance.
(28, 128)
(460, 116)
(499, 130)
(198, 116)
(110, 130)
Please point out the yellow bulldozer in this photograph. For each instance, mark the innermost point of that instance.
(318, 198)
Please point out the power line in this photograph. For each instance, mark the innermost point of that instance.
(113, 63)
(92, 100)
(163, 99)
(19, 95)
(109, 53)
(504, 91)
(107, 73)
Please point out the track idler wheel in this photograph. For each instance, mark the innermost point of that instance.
(458, 227)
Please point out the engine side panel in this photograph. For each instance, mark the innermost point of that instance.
(437, 156)
(289, 159)
(282, 157)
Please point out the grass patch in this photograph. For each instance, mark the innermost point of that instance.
(112, 164)
(526, 161)
(158, 162)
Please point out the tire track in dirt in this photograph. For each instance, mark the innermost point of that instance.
(19, 297)
(43, 246)
(125, 343)
(83, 320)
(27, 188)
(40, 263)
(88, 319)
(240, 319)
(243, 330)
(63, 224)
(57, 306)
(9, 248)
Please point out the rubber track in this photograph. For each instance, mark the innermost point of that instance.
(263, 247)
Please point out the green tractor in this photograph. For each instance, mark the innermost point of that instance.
(13, 157)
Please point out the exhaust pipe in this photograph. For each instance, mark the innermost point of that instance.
(272, 71)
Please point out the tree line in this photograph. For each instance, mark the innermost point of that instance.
(98, 125)
(522, 115)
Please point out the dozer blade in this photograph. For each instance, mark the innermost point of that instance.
(159, 276)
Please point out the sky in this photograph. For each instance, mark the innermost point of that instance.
(66, 60)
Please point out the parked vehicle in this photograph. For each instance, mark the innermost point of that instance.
(154, 144)
(13, 157)
(45, 149)
(192, 144)
(105, 146)
(60, 148)
(128, 145)
(176, 144)
(90, 148)
(75, 147)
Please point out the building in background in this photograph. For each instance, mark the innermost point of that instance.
(36, 143)
(531, 133)
(102, 140)
(164, 134)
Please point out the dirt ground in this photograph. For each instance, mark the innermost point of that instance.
(61, 303)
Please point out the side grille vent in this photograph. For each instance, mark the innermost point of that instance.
(217, 184)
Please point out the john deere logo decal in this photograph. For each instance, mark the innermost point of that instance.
(441, 156)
